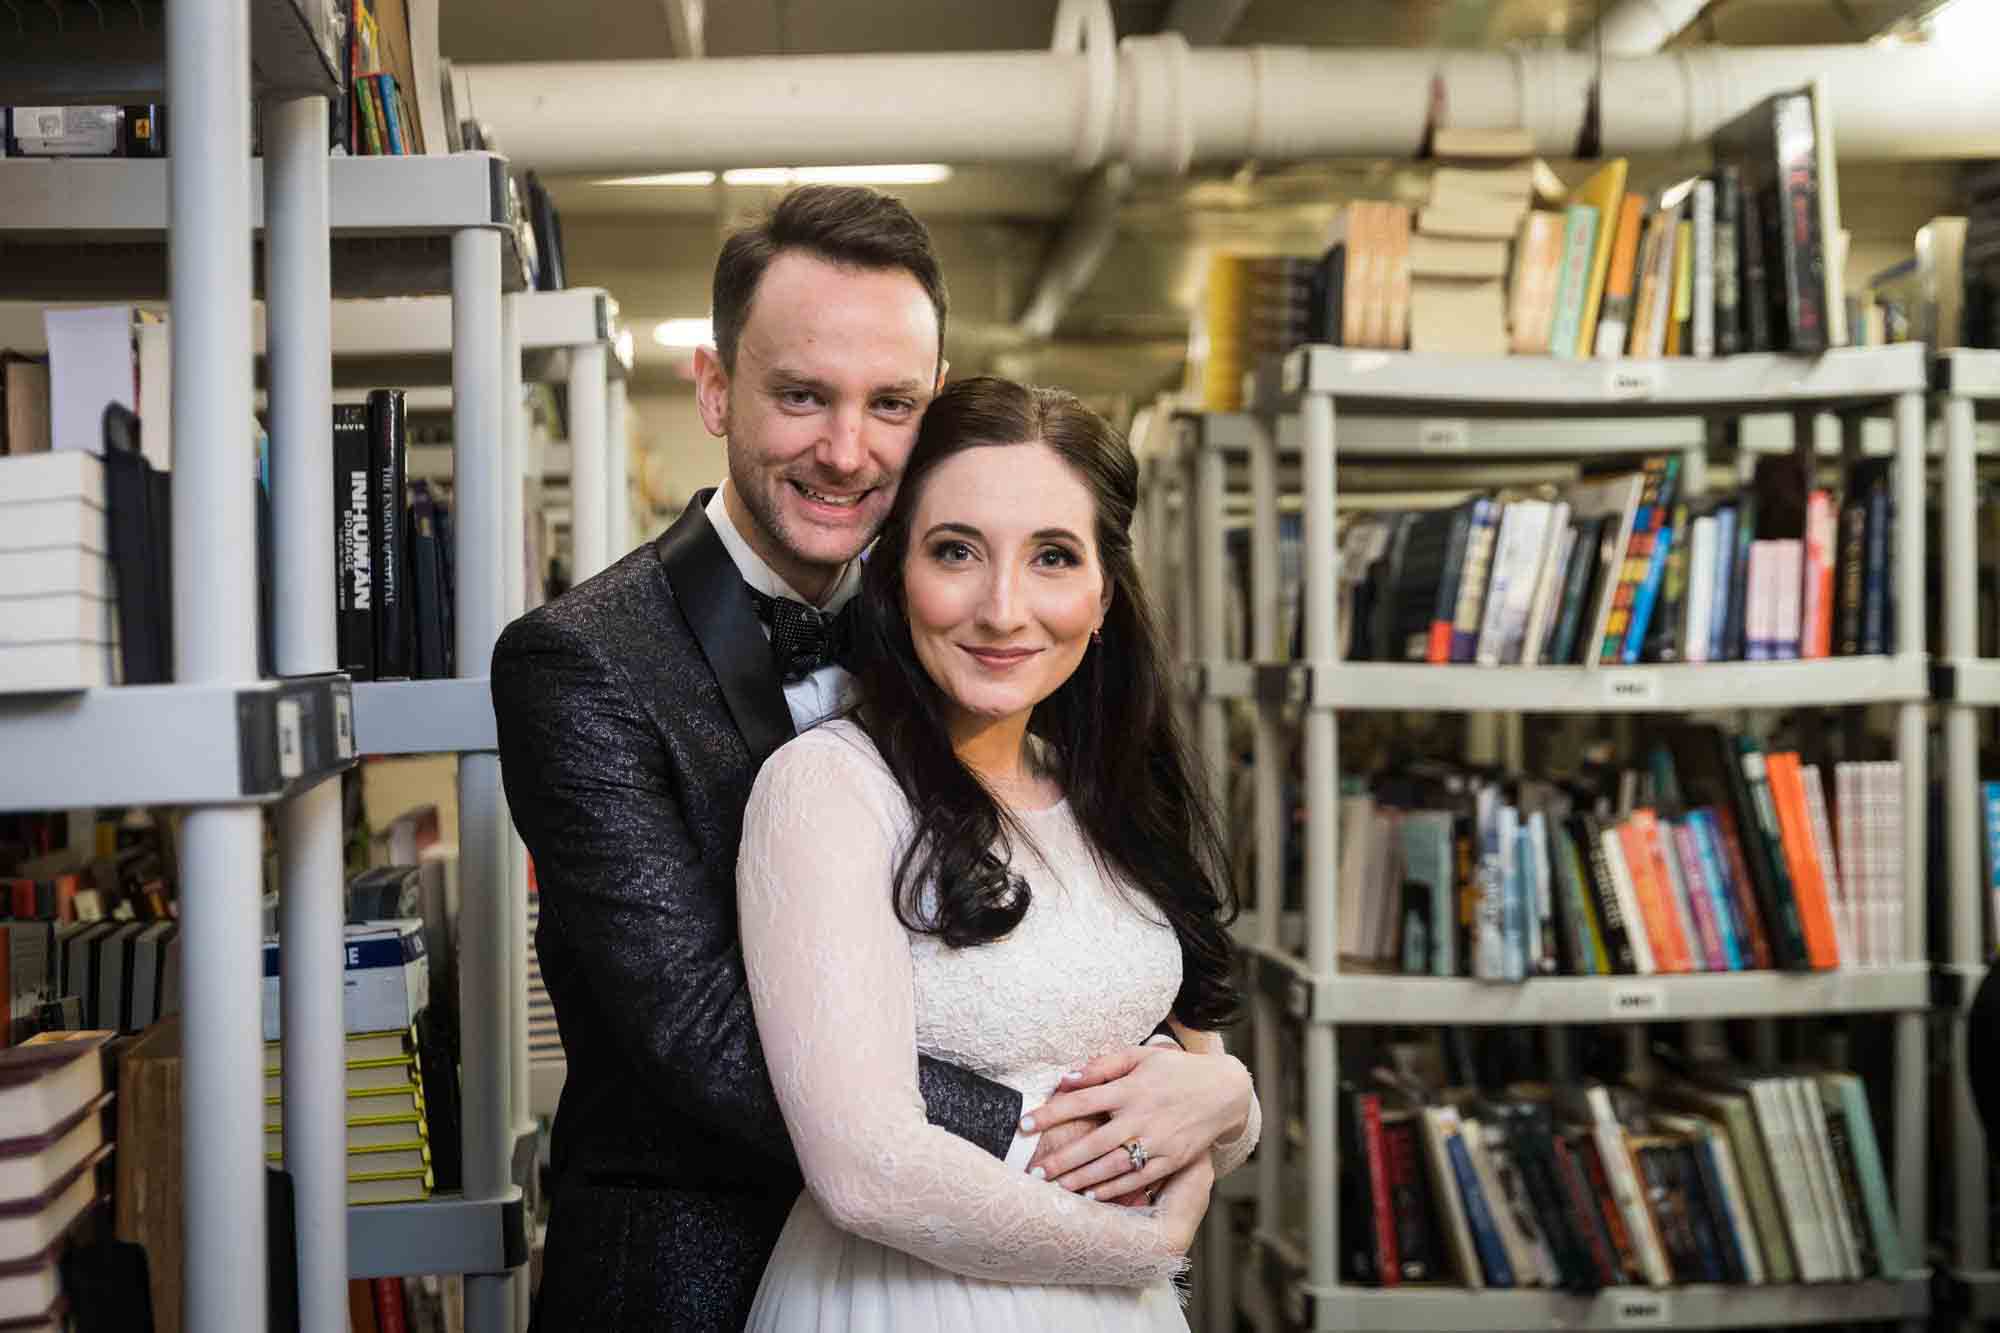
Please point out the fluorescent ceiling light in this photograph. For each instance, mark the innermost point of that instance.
(683, 333)
(1957, 22)
(909, 173)
(623, 346)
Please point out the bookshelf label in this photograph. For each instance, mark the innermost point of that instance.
(1444, 435)
(343, 724)
(1295, 371)
(1632, 1001)
(291, 746)
(1631, 687)
(1641, 1310)
(1637, 379)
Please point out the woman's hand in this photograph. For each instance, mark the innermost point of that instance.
(1175, 1103)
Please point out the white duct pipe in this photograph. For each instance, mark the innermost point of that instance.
(1176, 106)
(1640, 27)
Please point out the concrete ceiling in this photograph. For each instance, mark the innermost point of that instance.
(1123, 335)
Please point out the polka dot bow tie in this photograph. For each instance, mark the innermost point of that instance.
(803, 638)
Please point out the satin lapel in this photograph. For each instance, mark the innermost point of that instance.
(711, 594)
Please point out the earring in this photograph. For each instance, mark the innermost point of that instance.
(1097, 635)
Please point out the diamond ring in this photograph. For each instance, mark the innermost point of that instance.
(1136, 1150)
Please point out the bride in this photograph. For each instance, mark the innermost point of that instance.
(1003, 859)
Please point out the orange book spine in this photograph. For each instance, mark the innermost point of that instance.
(1396, 220)
(1614, 321)
(1636, 837)
(1788, 794)
(1537, 258)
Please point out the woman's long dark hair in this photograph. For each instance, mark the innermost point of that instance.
(1108, 731)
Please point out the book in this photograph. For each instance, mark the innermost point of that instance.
(1615, 311)
(1572, 299)
(1726, 268)
(389, 550)
(1538, 255)
(353, 527)
(1773, 144)
(1604, 191)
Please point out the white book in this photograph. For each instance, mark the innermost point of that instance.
(1895, 901)
(39, 668)
(28, 1233)
(1357, 819)
(1700, 589)
(65, 524)
(90, 367)
(1826, 1176)
(1789, 580)
(1440, 1124)
(60, 571)
(1780, 1130)
(52, 476)
(1385, 879)
(1830, 869)
(60, 618)
(156, 391)
(1530, 554)
(1515, 909)
(1702, 323)
(1663, 270)
(1557, 539)
(1499, 582)
(1624, 1182)
(1628, 903)
(1490, 955)
(1540, 959)
(1857, 874)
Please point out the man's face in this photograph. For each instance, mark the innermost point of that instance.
(834, 368)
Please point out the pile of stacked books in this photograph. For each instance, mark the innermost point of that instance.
(53, 1100)
(58, 630)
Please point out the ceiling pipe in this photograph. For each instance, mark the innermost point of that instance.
(1205, 22)
(1173, 106)
(1639, 27)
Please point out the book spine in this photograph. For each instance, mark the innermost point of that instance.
(1803, 248)
(1579, 235)
(1781, 907)
(388, 460)
(1692, 884)
(1702, 316)
(1876, 626)
(1853, 546)
(1582, 1149)
(1617, 943)
(1586, 947)
(1752, 238)
(1388, 1267)
(1472, 581)
(385, 89)
(1816, 622)
(390, 1316)
(1417, 1248)
(369, 136)
(1706, 1154)
(1848, 1180)
(1646, 596)
(1691, 1188)
(1714, 872)
(1572, 1205)
(1726, 263)
(1614, 320)
(354, 559)
(1438, 649)
(1479, 1215)
(1624, 881)
(1680, 319)
(1873, 1180)
(1736, 626)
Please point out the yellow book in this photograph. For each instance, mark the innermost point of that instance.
(1677, 341)
(1604, 191)
(375, 1104)
(368, 1135)
(402, 1188)
(362, 1076)
(361, 1047)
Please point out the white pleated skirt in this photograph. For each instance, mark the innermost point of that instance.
(825, 1280)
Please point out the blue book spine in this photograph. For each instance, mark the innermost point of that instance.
(1479, 1217)
(393, 130)
(1990, 791)
(1725, 568)
(1715, 869)
(1646, 596)
(1513, 900)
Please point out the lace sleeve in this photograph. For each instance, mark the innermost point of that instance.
(830, 981)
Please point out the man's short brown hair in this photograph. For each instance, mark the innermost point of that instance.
(849, 225)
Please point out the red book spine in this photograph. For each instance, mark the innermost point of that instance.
(1576, 1190)
(1627, 1257)
(1388, 1263)
(390, 1315)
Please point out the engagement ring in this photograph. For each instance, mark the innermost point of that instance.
(1136, 1150)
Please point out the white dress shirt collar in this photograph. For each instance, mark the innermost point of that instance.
(759, 575)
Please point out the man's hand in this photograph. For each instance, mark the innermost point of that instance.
(1177, 1104)
(1058, 1137)
(1184, 1200)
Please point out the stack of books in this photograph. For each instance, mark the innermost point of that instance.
(388, 1136)
(393, 549)
(1716, 856)
(1479, 195)
(53, 1105)
(58, 620)
(1720, 1176)
(388, 1129)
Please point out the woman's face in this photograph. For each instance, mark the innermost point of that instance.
(1002, 582)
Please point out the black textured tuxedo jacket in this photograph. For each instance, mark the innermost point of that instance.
(634, 712)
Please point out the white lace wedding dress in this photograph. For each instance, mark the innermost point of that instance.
(903, 1227)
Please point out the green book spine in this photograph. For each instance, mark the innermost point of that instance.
(1847, 1091)
(1579, 236)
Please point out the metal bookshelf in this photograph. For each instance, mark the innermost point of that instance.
(1966, 388)
(133, 230)
(1415, 406)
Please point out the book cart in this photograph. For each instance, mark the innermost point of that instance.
(1483, 410)
(1966, 388)
(220, 742)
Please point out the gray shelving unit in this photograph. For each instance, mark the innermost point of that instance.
(219, 741)
(1966, 388)
(1522, 407)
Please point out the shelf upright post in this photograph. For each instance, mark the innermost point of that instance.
(215, 642)
(298, 293)
(1964, 835)
(588, 487)
(1322, 779)
(513, 592)
(1268, 765)
(1186, 631)
(478, 427)
(617, 470)
(1211, 593)
(1912, 1121)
